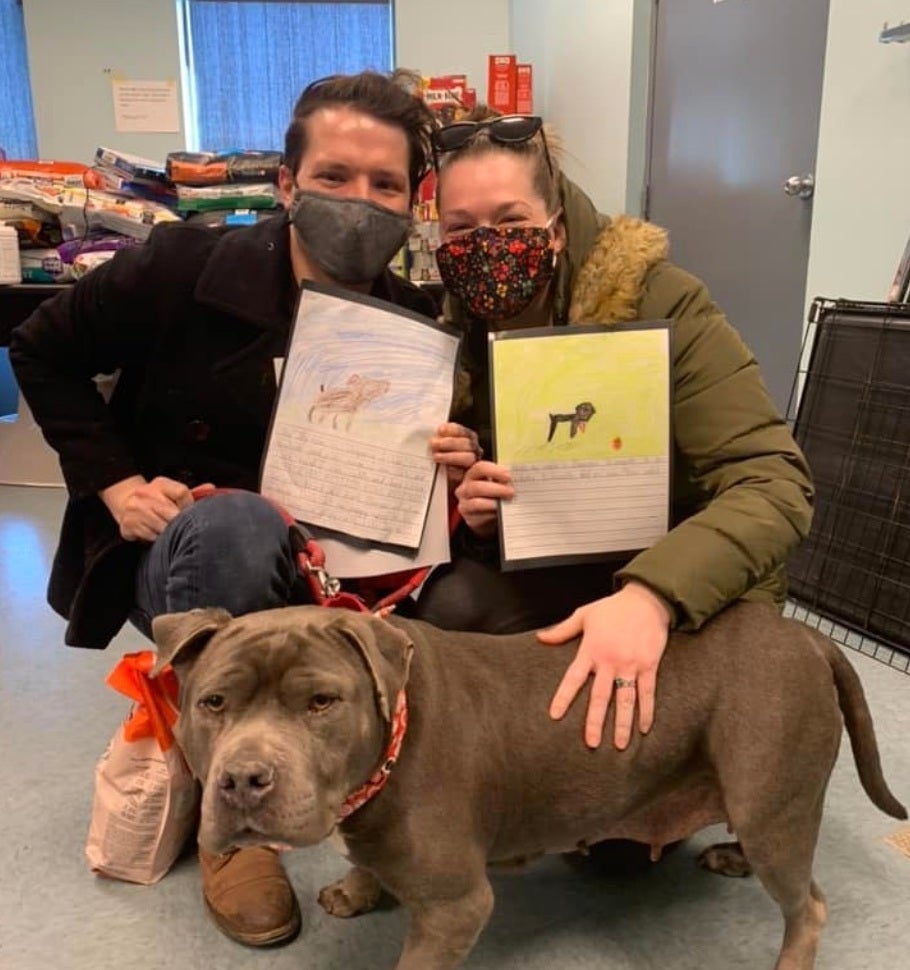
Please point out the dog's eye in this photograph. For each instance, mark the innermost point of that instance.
(320, 702)
(213, 703)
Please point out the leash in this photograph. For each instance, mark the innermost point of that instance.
(325, 588)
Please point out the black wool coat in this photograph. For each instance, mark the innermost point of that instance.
(192, 320)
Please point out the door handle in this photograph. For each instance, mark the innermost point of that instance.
(802, 186)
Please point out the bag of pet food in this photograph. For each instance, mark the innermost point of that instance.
(146, 800)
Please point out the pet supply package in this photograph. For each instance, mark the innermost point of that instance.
(232, 218)
(65, 173)
(86, 262)
(95, 243)
(448, 96)
(146, 800)
(108, 180)
(44, 266)
(82, 211)
(210, 168)
(130, 166)
(37, 231)
(253, 195)
(502, 83)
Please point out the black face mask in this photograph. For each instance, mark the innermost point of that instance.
(350, 240)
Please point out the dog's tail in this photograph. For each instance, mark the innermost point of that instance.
(858, 721)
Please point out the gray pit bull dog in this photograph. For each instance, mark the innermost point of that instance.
(286, 713)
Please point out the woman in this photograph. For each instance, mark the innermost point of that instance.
(741, 488)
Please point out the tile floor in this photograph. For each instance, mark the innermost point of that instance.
(56, 716)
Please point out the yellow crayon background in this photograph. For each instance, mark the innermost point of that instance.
(623, 373)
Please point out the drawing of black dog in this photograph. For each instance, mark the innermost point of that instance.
(578, 420)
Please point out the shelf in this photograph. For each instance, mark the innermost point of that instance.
(895, 35)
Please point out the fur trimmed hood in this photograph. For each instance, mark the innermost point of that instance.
(610, 283)
(606, 261)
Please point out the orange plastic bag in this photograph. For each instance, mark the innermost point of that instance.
(146, 800)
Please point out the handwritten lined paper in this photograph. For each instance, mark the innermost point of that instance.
(588, 507)
(581, 417)
(348, 557)
(363, 387)
(368, 491)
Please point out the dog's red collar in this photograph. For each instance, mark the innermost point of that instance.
(380, 776)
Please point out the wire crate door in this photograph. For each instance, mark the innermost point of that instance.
(853, 423)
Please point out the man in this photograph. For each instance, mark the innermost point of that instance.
(193, 321)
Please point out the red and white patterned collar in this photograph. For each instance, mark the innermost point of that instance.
(380, 776)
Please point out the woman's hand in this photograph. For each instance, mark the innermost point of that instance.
(484, 485)
(457, 448)
(623, 638)
(142, 509)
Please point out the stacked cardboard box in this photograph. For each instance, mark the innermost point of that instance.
(510, 85)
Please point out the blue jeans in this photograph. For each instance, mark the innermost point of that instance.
(230, 550)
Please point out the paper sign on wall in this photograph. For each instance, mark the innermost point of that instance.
(146, 106)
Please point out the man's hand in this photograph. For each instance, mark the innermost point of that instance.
(484, 485)
(623, 638)
(457, 448)
(142, 509)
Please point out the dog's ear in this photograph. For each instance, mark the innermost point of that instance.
(384, 649)
(181, 637)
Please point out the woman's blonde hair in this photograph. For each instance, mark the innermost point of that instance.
(545, 174)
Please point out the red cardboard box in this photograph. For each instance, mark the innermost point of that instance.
(449, 97)
(445, 95)
(524, 89)
(502, 86)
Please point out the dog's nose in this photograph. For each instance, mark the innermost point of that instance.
(245, 783)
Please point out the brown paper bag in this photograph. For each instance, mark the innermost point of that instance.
(146, 800)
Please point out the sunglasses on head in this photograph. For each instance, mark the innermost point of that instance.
(507, 130)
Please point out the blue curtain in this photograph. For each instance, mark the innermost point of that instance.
(17, 120)
(252, 59)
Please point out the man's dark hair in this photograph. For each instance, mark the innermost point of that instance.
(385, 97)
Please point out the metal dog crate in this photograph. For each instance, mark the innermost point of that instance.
(850, 413)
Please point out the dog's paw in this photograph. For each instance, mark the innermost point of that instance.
(358, 892)
(725, 859)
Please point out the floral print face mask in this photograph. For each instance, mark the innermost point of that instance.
(496, 273)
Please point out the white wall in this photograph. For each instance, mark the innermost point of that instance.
(73, 49)
(582, 56)
(73, 54)
(452, 37)
(861, 212)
